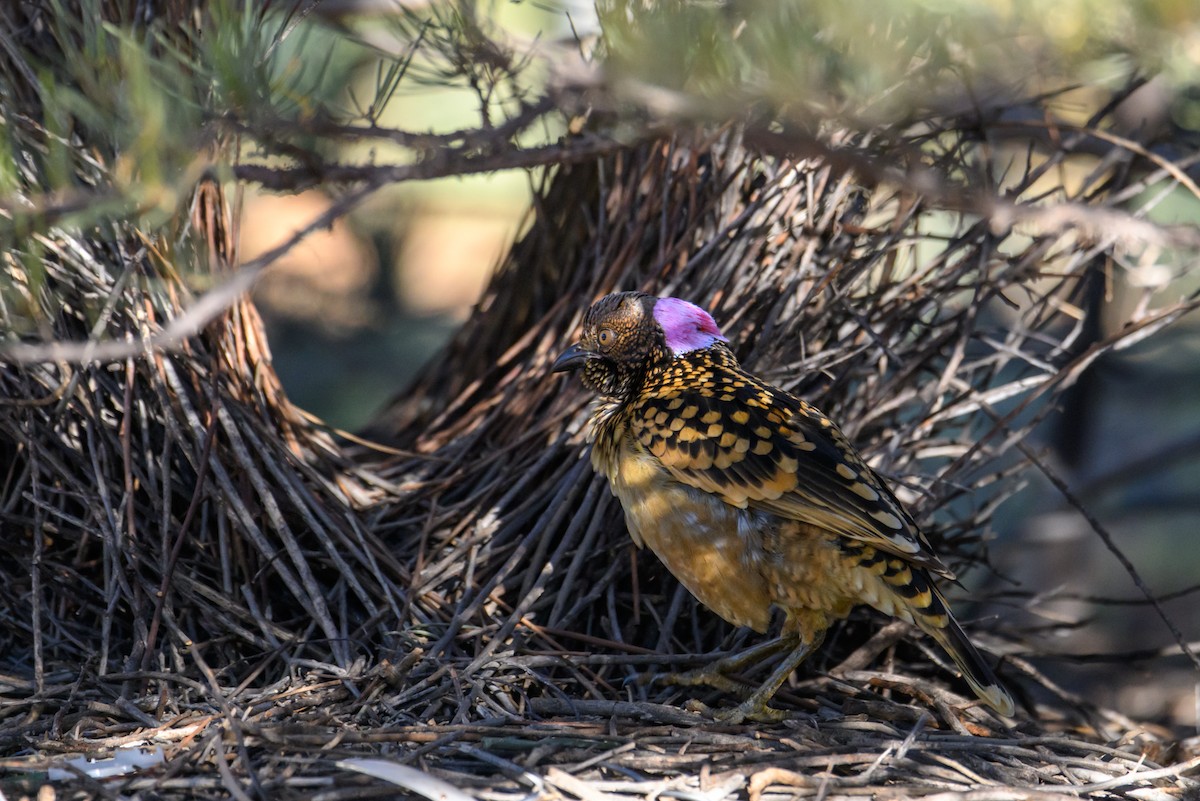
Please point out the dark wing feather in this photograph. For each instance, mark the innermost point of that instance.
(756, 446)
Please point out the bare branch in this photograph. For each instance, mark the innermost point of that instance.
(439, 164)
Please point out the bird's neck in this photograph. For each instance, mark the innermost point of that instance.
(665, 375)
(690, 369)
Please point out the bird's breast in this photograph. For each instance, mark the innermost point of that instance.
(714, 549)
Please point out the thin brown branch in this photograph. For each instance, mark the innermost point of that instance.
(439, 164)
(191, 320)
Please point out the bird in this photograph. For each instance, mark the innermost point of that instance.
(750, 496)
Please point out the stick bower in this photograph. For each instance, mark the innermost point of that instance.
(196, 565)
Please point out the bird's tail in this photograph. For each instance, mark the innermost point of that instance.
(912, 595)
(977, 673)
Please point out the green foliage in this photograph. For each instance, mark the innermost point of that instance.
(883, 60)
(135, 115)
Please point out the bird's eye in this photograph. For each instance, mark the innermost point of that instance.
(606, 338)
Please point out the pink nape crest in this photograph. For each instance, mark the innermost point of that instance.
(686, 326)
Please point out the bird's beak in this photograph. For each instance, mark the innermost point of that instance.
(571, 359)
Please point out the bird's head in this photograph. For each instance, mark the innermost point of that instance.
(627, 333)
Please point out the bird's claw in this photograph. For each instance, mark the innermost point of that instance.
(749, 710)
(706, 677)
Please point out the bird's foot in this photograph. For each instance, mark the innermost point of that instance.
(751, 709)
(717, 674)
(709, 676)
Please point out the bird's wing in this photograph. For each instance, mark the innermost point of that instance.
(757, 446)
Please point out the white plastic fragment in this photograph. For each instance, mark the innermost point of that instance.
(412, 779)
(124, 761)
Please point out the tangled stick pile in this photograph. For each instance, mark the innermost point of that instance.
(194, 563)
(209, 566)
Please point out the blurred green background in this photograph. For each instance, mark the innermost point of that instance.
(353, 312)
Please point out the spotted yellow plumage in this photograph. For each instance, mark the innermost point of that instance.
(751, 497)
(720, 429)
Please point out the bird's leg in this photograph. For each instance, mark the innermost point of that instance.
(717, 674)
(755, 707)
